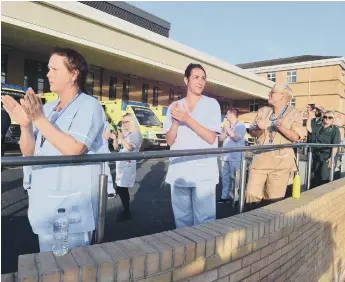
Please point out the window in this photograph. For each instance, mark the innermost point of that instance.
(125, 90)
(291, 77)
(90, 83)
(145, 93)
(40, 85)
(224, 106)
(3, 68)
(292, 102)
(253, 105)
(271, 76)
(146, 117)
(155, 96)
(112, 88)
(171, 96)
(35, 76)
(179, 96)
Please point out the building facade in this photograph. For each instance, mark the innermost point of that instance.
(316, 80)
(126, 60)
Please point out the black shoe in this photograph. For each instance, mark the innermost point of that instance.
(124, 216)
(111, 195)
(223, 201)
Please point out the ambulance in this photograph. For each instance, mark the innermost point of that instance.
(150, 126)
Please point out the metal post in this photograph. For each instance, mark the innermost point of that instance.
(297, 158)
(102, 205)
(331, 175)
(242, 183)
(309, 162)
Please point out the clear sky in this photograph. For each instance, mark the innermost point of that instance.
(241, 32)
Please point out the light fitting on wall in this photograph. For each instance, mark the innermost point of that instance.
(133, 76)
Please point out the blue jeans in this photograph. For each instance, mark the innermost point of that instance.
(194, 205)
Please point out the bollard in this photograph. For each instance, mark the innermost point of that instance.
(242, 184)
(102, 205)
(309, 162)
(331, 175)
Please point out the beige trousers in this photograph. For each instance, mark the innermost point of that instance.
(269, 176)
(266, 185)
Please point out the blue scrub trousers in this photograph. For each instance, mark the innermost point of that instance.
(194, 205)
(228, 178)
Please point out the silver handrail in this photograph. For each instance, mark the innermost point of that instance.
(103, 180)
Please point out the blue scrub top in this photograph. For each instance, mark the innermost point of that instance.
(68, 186)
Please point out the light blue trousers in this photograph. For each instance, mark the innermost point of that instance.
(194, 205)
(228, 178)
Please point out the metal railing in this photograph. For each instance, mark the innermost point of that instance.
(103, 158)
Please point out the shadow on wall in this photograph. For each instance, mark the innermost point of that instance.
(297, 246)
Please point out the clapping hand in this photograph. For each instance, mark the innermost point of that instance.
(120, 136)
(228, 129)
(15, 111)
(106, 135)
(279, 123)
(261, 124)
(178, 113)
(32, 105)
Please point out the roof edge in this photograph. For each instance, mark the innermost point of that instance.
(89, 13)
(317, 63)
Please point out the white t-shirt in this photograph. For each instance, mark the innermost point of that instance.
(189, 170)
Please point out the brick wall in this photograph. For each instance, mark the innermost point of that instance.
(293, 240)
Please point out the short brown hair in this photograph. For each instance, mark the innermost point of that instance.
(234, 110)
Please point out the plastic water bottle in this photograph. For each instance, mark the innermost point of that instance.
(74, 216)
(60, 241)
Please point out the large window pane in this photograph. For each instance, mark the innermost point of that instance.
(35, 76)
(112, 88)
(4, 59)
(155, 96)
(145, 93)
(171, 96)
(90, 83)
(291, 77)
(125, 90)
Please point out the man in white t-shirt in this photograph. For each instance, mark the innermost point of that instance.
(193, 123)
(232, 136)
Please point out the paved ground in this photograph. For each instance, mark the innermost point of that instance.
(150, 205)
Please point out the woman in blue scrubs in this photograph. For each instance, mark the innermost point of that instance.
(72, 125)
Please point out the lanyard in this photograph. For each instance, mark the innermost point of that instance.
(273, 118)
(273, 127)
(53, 121)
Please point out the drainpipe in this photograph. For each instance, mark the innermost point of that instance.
(100, 83)
(309, 84)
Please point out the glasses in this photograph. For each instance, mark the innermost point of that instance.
(327, 117)
(273, 92)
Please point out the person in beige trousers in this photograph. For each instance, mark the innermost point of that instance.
(279, 123)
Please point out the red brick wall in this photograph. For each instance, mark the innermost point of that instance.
(293, 240)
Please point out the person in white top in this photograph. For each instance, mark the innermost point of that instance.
(232, 136)
(193, 123)
(128, 140)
